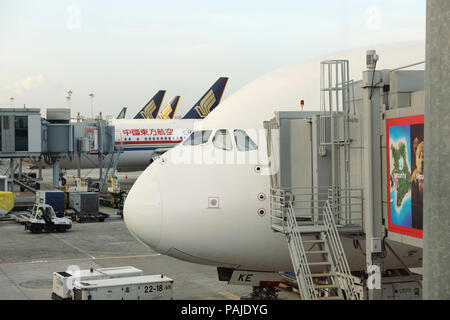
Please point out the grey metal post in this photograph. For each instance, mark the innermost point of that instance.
(56, 172)
(79, 164)
(20, 168)
(436, 218)
(40, 168)
(100, 149)
(11, 174)
(372, 171)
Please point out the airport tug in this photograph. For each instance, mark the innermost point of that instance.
(44, 219)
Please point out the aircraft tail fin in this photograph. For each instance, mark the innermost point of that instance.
(150, 110)
(168, 111)
(208, 101)
(122, 113)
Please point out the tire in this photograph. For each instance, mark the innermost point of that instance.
(35, 228)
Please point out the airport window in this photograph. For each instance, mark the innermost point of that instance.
(21, 133)
(198, 137)
(222, 140)
(6, 122)
(243, 141)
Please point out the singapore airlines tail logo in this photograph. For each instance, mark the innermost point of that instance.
(164, 114)
(147, 113)
(205, 105)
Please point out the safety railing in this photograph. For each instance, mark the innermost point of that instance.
(338, 253)
(299, 257)
(308, 205)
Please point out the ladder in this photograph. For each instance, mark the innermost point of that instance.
(113, 162)
(317, 267)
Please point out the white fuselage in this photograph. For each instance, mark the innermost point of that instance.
(139, 138)
(171, 206)
(168, 208)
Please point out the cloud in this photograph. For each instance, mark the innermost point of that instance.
(201, 48)
(30, 82)
(229, 20)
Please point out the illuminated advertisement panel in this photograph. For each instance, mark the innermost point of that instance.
(405, 150)
(92, 135)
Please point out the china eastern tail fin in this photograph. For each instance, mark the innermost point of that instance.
(122, 113)
(169, 110)
(208, 101)
(150, 110)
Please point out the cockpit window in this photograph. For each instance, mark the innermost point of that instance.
(243, 141)
(222, 140)
(197, 137)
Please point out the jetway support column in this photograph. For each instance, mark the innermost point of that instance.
(79, 164)
(373, 214)
(56, 172)
(436, 219)
(40, 168)
(11, 174)
(20, 168)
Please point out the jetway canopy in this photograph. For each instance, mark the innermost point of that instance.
(385, 139)
(23, 133)
(20, 132)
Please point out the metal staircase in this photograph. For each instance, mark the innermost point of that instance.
(316, 251)
(313, 213)
(112, 165)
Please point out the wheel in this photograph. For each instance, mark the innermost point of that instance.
(101, 219)
(61, 228)
(35, 228)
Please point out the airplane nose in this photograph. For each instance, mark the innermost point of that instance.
(142, 211)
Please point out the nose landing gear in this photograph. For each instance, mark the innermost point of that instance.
(263, 293)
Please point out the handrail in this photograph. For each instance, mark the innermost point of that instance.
(307, 204)
(337, 249)
(305, 281)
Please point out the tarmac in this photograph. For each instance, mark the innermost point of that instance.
(27, 261)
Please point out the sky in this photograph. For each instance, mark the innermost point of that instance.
(125, 51)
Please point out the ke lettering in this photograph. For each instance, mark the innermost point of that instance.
(245, 277)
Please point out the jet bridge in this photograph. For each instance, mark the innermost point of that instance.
(25, 135)
(352, 170)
